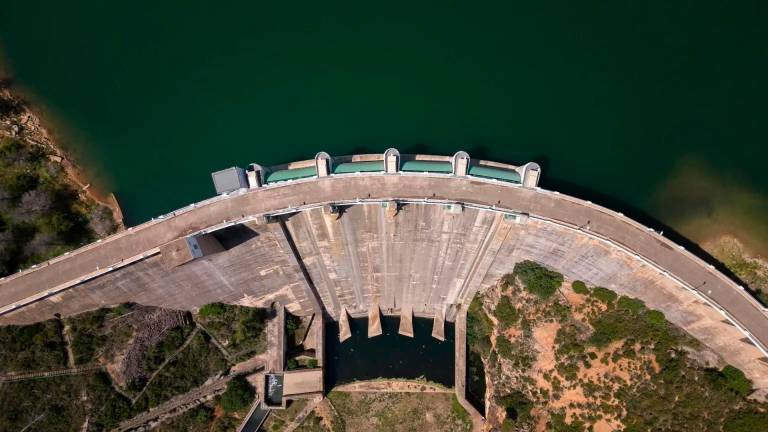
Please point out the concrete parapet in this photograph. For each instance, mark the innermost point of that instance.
(406, 322)
(374, 321)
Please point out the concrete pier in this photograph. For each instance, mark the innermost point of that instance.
(406, 322)
(345, 331)
(438, 324)
(374, 321)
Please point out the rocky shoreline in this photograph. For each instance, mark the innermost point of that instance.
(18, 121)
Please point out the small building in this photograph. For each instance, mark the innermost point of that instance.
(229, 180)
(186, 249)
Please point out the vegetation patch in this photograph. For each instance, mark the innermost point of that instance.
(100, 333)
(537, 279)
(278, 419)
(506, 312)
(38, 346)
(239, 395)
(241, 330)
(399, 411)
(41, 215)
(62, 404)
(190, 369)
(579, 287)
(594, 360)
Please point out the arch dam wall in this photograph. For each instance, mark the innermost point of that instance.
(424, 242)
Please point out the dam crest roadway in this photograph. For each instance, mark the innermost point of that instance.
(404, 235)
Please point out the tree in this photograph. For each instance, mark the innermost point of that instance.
(33, 204)
(537, 279)
(506, 312)
(238, 395)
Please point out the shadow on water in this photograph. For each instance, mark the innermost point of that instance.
(640, 216)
(475, 380)
(389, 355)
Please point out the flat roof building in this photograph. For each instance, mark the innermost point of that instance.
(229, 180)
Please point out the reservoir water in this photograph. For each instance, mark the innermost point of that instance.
(653, 108)
(388, 355)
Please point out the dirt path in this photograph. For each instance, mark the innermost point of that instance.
(68, 345)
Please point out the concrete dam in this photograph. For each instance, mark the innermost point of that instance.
(406, 235)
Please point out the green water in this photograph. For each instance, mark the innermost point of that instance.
(614, 99)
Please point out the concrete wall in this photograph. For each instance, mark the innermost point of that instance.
(425, 257)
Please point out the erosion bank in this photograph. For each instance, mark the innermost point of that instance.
(19, 120)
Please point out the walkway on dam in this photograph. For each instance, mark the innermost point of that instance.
(67, 271)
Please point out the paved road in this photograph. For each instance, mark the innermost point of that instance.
(560, 208)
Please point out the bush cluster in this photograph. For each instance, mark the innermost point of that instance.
(41, 215)
(538, 279)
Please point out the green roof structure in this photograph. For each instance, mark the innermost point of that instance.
(291, 174)
(494, 173)
(353, 167)
(426, 166)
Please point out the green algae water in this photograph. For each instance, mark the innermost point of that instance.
(616, 100)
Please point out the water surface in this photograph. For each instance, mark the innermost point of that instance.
(612, 98)
(388, 355)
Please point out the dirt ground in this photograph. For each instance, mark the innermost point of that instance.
(424, 412)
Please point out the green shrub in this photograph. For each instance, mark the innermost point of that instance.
(459, 410)
(241, 329)
(604, 295)
(238, 395)
(630, 304)
(516, 405)
(655, 317)
(506, 312)
(312, 363)
(38, 346)
(479, 327)
(746, 421)
(212, 310)
(504, 347)
(292, 364)
(736, 381)
(580, 287)
(537, 279)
